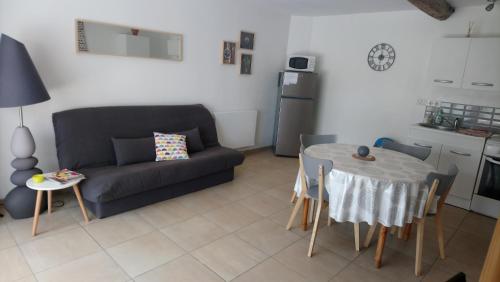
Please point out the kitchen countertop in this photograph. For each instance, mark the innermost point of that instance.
(451, 133)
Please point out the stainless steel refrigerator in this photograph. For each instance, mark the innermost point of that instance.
(297, 93)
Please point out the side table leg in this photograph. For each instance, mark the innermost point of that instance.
(36, 216)
(80, 202)
(49, 201)
(380, 245)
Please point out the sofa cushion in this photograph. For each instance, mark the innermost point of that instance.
(193, 140)
(109, 183)
(170, 147)
(134, 150)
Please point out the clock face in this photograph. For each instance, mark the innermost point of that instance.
(381, 57)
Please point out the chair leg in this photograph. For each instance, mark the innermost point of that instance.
(393, 230)
(305, 214)
(440, 236)
(380, 245)
(356, 236)
(420, 246)
(294, 196)
(296, 209)
(329, 223)
(369, 235)
(400, 232)
(315, 229)
(407, 231)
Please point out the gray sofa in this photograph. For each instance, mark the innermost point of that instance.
(84, 144)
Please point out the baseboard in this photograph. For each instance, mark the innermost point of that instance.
(250, 150)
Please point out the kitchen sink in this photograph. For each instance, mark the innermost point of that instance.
(439, 127)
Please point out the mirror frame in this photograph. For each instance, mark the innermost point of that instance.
(78, 51)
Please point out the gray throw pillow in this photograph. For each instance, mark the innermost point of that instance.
(134, 150)
(193, 139)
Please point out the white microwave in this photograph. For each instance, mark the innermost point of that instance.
(301, 63)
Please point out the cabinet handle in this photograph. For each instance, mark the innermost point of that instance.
(483, 84)
(461, 154)
(423, 146)
(492, 161)
(443, 81)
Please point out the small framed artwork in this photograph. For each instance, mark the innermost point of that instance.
(246, 64)
(228, 53)
(247, 40)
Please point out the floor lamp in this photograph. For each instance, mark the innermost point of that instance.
(20, 85)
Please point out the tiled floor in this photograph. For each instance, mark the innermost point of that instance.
(232, 232)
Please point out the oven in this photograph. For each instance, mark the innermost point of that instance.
(486, 198)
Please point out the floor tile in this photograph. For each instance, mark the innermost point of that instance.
(95, 267)
(356, 273)
(267, 178)
(165, 213)
(264, 204)
(232, 217)
(12, 265)
(479, 225)
(203, 201)
(6, 240)
(57, 222)
(183, 269)
(117, 229)
(338, 242)
(438, 274)
(30, 278)
(194, 233)
(283, 216)
(53, 250)
(395, 265)
(279, 192)
(453, 216)
(270, 271)
(145, 253)
(268, 236)
(321, 267)
(234, 190)
(229, 256)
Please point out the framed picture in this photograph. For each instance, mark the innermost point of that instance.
(247, 40)
(246, 64)
(228, 53)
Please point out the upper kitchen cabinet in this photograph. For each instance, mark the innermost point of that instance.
(448, 61)
(483, 65)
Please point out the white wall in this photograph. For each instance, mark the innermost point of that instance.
(360, 104)
(81, 80)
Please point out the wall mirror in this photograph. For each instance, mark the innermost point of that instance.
(110, 39)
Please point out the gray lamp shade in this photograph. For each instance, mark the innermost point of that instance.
(20, 83)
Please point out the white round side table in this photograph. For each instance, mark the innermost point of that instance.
(49, 186)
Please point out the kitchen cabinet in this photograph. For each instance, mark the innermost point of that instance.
(448, 61)
(435, 147)
(452, 148)
(467, 162)
(482, 71)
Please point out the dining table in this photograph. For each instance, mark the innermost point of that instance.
(389, 190)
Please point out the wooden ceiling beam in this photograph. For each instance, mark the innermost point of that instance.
(438, 9)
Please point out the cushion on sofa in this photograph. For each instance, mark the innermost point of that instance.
(134, 150)
(193, 140)
(109, 183)
(170, 147)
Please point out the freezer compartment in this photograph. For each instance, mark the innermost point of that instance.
(298, 85)
(295, 117)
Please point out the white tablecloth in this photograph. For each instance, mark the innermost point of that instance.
(389, 190)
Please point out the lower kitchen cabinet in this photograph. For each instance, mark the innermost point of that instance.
(449, 148)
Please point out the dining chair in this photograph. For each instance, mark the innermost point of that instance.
(313, 170)
(440, 185)
(307, 140)
(417, 152)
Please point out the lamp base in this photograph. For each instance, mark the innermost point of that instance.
(20, 202)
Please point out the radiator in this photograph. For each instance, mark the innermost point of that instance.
(236, 129)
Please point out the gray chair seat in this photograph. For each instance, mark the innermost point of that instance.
(109, 183)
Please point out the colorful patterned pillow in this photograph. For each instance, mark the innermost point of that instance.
(170, 147)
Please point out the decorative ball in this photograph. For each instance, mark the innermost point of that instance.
(363, 151)
(38, 178)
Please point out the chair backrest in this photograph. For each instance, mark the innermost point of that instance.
(417, 152)
(311, 166)
(307, 140)
(445, 181)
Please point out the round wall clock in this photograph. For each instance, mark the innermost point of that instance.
(381, 57)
